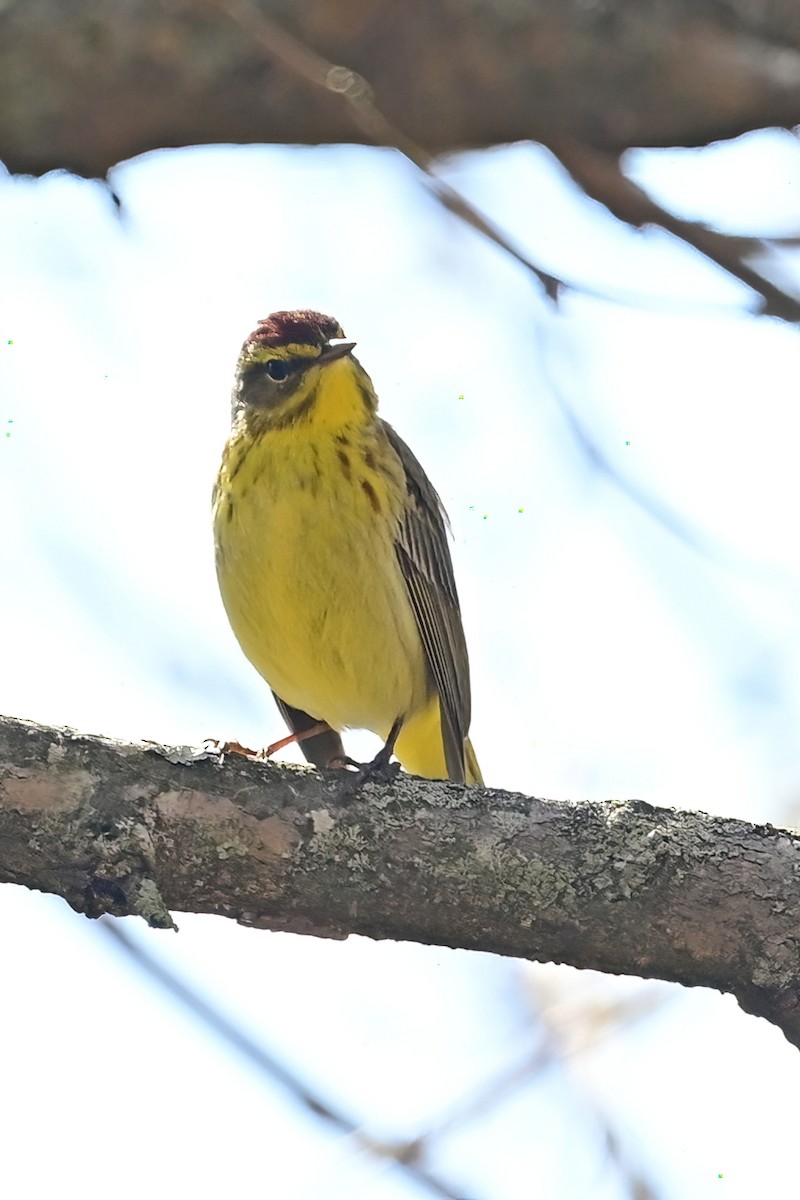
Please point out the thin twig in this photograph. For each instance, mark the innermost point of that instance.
(601, 177)
(266, 1063)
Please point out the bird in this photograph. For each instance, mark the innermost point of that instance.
(332, 556)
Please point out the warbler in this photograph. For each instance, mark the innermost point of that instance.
(332, 556)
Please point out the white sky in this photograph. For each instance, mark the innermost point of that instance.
(609, 658)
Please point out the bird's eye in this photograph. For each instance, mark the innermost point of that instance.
(277, 370)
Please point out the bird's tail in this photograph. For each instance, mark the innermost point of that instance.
(420, 748)
(473, 771)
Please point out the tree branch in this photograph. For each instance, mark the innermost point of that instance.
(89, 83)
(586, 80)
(620, 887)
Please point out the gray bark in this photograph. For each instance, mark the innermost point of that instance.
(620, 886)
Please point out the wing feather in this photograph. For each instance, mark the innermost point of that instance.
(424, 557)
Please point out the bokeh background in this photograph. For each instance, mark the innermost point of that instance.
(621, 476)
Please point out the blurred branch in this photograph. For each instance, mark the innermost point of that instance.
(123, 79)
(597, 172)
(267, 1064)
(572, 1022)
(601, 177)
(428, 77)
(621, 887)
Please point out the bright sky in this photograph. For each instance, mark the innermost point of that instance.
(609, 658)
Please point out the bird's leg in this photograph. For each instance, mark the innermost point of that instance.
(299, 736)
(380, 770)
(382, 759)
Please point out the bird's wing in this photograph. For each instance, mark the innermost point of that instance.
(424, 557)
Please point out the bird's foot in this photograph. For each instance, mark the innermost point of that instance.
(223, 748)
(380, 770)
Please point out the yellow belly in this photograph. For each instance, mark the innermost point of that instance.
(311, 583)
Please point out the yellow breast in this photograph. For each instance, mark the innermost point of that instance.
(304, 523)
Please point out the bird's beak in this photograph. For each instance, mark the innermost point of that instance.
(333, 352)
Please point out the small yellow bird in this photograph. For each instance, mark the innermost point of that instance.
(332, 556)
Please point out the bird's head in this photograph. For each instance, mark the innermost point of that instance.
(296, 366)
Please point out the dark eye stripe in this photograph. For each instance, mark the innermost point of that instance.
(288, 366)
(279, 369)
